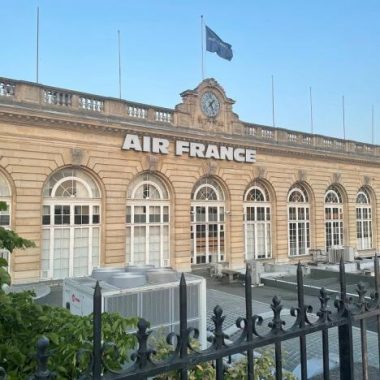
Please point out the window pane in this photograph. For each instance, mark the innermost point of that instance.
(165, 214)
(140, 214)
(292, 213)
(200, 214)
(260, 213)
(250, 213)
(154, 214)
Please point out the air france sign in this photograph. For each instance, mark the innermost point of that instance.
(192, 149)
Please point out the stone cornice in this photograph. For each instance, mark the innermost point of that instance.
(32, 116)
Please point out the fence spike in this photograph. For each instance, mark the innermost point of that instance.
(248, 320)
(97, 332)
(183, 333)
(42, 357)
(342, 278)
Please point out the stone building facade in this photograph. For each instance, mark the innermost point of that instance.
(102, 181)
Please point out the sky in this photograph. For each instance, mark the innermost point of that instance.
(330, 46)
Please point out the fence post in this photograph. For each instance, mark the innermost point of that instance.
(346, 355)
(248, 316)
(183, 324)
(302, 311)
(97, 333)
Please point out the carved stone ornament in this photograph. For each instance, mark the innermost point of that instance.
(210, 168)
(366, 180)
(302, 175)
(261, 172)
(152, 162)
(337, 177)
(77, 156)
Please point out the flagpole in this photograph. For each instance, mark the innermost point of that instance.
(37, 38)
(343, 119)
(118, 39)
(273, 121)
(311, 111)
(373, 125)
(202, 28)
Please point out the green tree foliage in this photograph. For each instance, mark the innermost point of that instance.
(263, 364)
(22, 322)
(10, 240)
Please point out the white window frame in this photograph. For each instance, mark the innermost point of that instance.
(256, 223)
(52, 227)
(219, 204)
(305, 223)
(338, 229)
(7, 199)
(364, 242)
(164, 253)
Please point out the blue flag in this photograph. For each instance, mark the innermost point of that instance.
(214, 44)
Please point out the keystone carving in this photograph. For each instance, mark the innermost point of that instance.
(152, 162)
(210, 168)
(337, 177)
(77, 156)
(301, 175)
(366, 180)
(261, 172)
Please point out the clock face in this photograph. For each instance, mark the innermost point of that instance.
(210, 104)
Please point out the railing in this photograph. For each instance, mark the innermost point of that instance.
(91, 104)
(184, 356)
(72, 100)
(7, 89)
(79, 101)
(283, 136)
(57, 98)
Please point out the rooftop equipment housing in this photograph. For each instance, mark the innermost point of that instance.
(152, 294)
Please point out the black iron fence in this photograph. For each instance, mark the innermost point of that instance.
(343, 316)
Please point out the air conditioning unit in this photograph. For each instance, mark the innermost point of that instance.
(152, 294)
(334, 254)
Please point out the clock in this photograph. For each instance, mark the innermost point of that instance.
(210, 104)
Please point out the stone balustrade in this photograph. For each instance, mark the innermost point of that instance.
(28, 92)
(286, 137)
(22, 91)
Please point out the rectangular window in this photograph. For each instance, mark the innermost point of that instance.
(61, 214)
(140, 214)
(250, 214)
(212, 214)
(5, 217)
(154, 214)
(200, 215)
(128, 214)
(81, 214)
(95, 215)
(166, 214)
(260, 213)
(46, 215)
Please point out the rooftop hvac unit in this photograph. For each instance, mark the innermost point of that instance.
(152, 294)
(334, 254)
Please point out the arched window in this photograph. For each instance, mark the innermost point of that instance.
(257, 223)
(147, 222)
(207, 222)
(70, 225)
(333, 218)
(5, 216)
(5, 196)
(298, 221)
(363, 220)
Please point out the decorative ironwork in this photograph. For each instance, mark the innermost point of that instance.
(184, 355)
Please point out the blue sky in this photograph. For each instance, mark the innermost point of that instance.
(332, 46)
